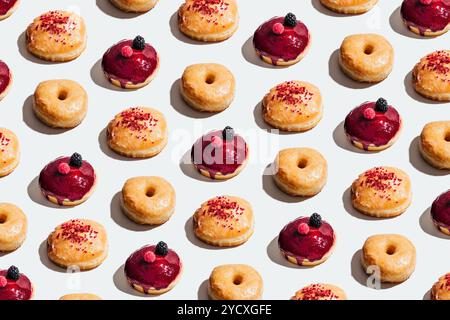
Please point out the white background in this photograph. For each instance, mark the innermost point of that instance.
(272, 208)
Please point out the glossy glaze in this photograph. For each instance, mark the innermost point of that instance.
(5, 76)
(20, 289)
(434, 16)
(6, 5)
(440, 210)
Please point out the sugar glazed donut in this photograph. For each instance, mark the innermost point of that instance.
(394, 257)
(435, 144)
(9, 152)
(7, 8)
(208, 87)
(440, 212)
(429, 18)
(57, 36)
(15, 285)
(366, 57)
(6, 79)
(13, 227)
(80, 296)
(137, 6)
(60, 103)
(300, 171)
(441, 289)
(320, 291)
(235, 282)
(208, 20)
(349, 6)
(148, 200)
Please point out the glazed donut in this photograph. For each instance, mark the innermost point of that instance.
(300, 171)
(425, 17)
(431, 76)
(80, 296)
(13, 227)
(9, 152)
(349, 6)
(235, 282)
(208, 20)
(366, 57)
(7, 8)
(320, 291)
(57, 36)
(78, 243)
(394, 256)
(60, 103)
(293, 106)
(208, 87)
(224, 221)
(148, 200)
(434, 144)
(6, 79)
(382, 192)
(440, 212)
(138, 132)
(441, 289)
(15, 285)
(137, 6)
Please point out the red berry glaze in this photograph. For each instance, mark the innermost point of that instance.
(20, 289)
(6, 5)
(426, 15)
(5, 76)
(3, 281)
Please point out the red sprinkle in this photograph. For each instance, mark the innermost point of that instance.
(4, 141)
(294, 95)
(426, 2)
(149, 257)
(303, 228)
(57, 25)
(224, 210)
(278, 28)
(63, 168)
(216, 142)
(382, 181)
(316, 292)
(138, 121)
(126, 51)
(3, 282)
(78, 233)
(211, 9)
(369, 113)
(439, 62)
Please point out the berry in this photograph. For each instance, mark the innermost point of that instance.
(278, 28)
(162, 249)
(426, 2)
(303, 228)
(315, 220)
(369, 113)
(149, 257)
(228, 133)
(3, 282)
(76, 160)
(381, 105)
(139, 43)
(290, 20)
(126, 51)
(216, 142)
(63, 168)
(13, 273)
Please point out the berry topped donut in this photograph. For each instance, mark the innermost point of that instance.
(440, 212)
(307, 241)
(130, 64)
(349, 6)
(5, 79)
(57, 36)
(208, 20)
(319, 291)
(282, 41)
(15, 285)
(7, 8)
(426, 17)
(153, 269)
(373, 126)
(220, 154)
(68, 181)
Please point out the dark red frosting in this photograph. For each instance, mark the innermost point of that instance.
(5, 5)
(72, 186)
(434, 16)
(20, 289)
(377, 131)
(224, 160)
(312, 246)
(5, 76)
(440, 210)
(135, 69)
(286, 46)
(155, 275)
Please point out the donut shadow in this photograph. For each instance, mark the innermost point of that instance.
(177, 34)
(275, 255)
(336, 73)
(35, 194)
(341, 140)
(427, 295)
(189, 170)
(324, 10)
(121, 283)
(22, 48)
(121, 219)
(272, 190)
(427, 225)
(109, 9)
(104, 147)
(399, 27)
(43, 257)
(259, 120)
(98, 77)
(190, 235)
(180, 106)
(347, 203)
(407, 82)
(417, 161)
(249, 54)
(202, 292)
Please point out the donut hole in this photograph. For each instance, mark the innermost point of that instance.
(390, 250)
(237, 280)
(150, 192)
(447, 136)
(302, 163)
(62, 95)
(210, 78)
(368, 49)
(2, 218)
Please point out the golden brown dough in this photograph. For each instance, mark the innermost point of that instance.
(80, 296)
(320, 291)
(9, 152)
(441, 289)
(137, 6)
(435, 144)
(13, 227)
(349, 6)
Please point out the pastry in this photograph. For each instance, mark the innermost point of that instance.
(441, 289)
(15, 285)
(349, 6)
(6, 79)
(440, 212)
(320, 291)
(7, 8)
(428, 18)
(9, 152)
(13, 227)
(137, 6)
(435, 144)
(80, 296)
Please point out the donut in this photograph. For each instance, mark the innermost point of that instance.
(373, 126)
(320, 291)
(137, 6)
(435, 144)
(153, 269)
(78, 243)
(441, 289)
(60, 103)
(68, 181)
(431, 76)
(208, 20)
(382, 192)
(426, 18)
(9, 152)
(366, 57)
(148, 200)
(440, 212)
(282, 41)
(13, 227)
(6, 79)
(130, 64)
(307, 241)
(349, 6)
(15, 285)
(300, 171)
(7, 8)
(57, 36)
(138, 132)
(80, 296)
(208, 87)
(293, 106)
(393, 256)
(235, 282)
(224, 221)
